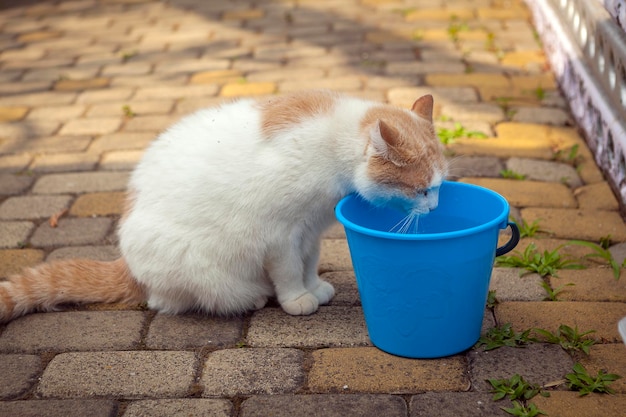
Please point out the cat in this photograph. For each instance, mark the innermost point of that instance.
(227, 207)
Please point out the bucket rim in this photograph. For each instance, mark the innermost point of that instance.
(501, 221)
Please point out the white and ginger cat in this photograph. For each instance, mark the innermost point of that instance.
(227, 207)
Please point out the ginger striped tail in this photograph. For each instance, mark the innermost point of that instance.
(45, 286)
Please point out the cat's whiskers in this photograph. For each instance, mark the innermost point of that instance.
(407, 225)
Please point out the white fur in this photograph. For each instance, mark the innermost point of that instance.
(224, 218)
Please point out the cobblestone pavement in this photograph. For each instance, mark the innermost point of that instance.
(85, 85)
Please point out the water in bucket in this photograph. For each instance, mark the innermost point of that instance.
(424, 293)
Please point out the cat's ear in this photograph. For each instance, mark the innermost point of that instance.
(423, 107)
(385, 139)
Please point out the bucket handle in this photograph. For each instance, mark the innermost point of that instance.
(510, 245)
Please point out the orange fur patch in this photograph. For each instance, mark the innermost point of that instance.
(70, 281)
(416, 146)
(279, 113)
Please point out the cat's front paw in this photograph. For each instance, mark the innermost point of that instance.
(304, 305)
(324, 292)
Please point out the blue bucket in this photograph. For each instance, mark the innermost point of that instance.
(424, 294)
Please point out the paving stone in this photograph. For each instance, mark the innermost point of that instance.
(196, 407)
(544, 80)
(472, 80)
(14, 234)
(176, 92)
(349, 83)
(548, 171)
(368, 369)
(13, 261)
(598, 196)
(64, 162)
(475, 166)
(549, 315)
(131, 374)
(32, 207)
(232, 372)
(117, 93)
(59, 408)
(454, 404)
(120, 108)
(54, 144)
(121, 160)
(462, 112)
(72, 231)
(618, 251)
(570, 404)
(91, 126)
(193, 331)
(121, 141)
(423, 67)
(247, 89)
(11, 164)
(346, 291)
(329, 326)
(78, 85)
(509, 285)
(12, 184)
(151, 123)
(538, 363)
(19, 373)
(528, 193)
(542, 115)
(98, 204)
(446, 14)
(38, 99)
(591, 225)
(97, 253)
(593, 284)
(332, 405)
(219, 77)
(12, 114)
(334, 256)
(81, 182)
(76, 330)
(28, 129)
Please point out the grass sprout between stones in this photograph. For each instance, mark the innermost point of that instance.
(570, 339)
(504, 335)
(602, 252)
(544, 264)
(552, 293)
(580, 380)
(515, 388)
(448, 136)
(512, 175)
(519, 391)
(528, 229)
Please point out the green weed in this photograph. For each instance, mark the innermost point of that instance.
(569, 156)
(515, 388)
(580, 380)
(552, 294)
(491, 299)
(448, 136)
(512, 175)
(531, 260)
(521, 410)
(504, 335)
(528, 230)
(128, 112)
(602, 252)
(569, 338)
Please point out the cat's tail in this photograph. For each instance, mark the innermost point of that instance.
(44, 287)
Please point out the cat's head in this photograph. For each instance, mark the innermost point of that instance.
(404, 160)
